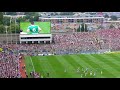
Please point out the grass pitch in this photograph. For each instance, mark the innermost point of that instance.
(66, 66)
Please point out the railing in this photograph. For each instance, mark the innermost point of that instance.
(8, 38)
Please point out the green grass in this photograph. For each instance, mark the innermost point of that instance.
(45, 26)
(109, 64)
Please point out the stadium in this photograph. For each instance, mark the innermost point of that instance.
(61, 48)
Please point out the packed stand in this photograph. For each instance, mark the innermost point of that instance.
(9, 64)
(74, 43)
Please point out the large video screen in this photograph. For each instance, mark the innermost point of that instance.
(44, 26)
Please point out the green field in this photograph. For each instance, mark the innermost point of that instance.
(45, 26)
(103, 65)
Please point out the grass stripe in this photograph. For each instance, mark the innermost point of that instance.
(106, 72)
(113, 61)
(100, 64)
(37, 64)
(58, 67)
(75, 64)
(90, 64)
(29, 66)
(68, 66)
(116, 56)
(72, 62)
(106, 65)
(55, 65)
(47, 68)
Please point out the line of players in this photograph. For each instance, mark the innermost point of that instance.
(84, 73)
(87, 72)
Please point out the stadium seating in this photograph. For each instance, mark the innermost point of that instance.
(81, 42)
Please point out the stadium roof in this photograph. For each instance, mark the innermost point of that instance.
(73, 18)
(112, 21)
(14, 16)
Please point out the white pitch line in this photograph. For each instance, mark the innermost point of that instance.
(32, 64)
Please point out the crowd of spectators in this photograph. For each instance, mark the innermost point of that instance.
(64, 27)
(9, 64)
(110, 38)
(74, 43)
(72, 27)
(63, 44)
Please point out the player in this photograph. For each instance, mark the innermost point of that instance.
(78, 69)
(90, 73)
(47, 74)
(86, 69)
(94, 74)
(65, 70)
(34, 28)
(41, 76)
(81, 75)
(83, 71)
